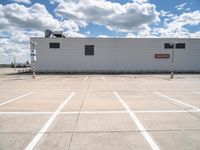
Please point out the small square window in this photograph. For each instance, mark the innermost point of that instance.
(168, 46)
(89, 50)
(54, 45)
(180, 45)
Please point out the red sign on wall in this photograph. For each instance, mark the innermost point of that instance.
(162, 55)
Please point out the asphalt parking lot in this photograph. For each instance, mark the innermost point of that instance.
(99, 112)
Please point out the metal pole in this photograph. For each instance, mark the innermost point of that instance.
(172, 65)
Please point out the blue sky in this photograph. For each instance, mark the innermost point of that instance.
(21, 19)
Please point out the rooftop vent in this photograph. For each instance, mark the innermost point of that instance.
(58, 34)
(48, 33)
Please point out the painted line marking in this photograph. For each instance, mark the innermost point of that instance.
(131, 76)
(103, 78)
(65, 79)
(146, 135)
(139, 89)
(98, 112)
(36, 139)
(175, 100)
(85, 79)
(25, 113)
(14, 99)
(122, 79)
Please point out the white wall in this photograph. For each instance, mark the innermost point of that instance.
(115, 55)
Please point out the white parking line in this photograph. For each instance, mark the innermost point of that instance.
(122, 79)
(85, 79)
(48, 123)
(146, 135)
(65, 79)
(96, 112)
(103, 78)
(25, 113)
(14, 99)
(175, 100)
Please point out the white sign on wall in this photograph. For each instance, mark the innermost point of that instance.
(33, 55)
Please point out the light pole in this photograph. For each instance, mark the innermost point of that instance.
(33, 58)
(172, 60)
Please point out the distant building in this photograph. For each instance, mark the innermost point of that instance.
(55, 53)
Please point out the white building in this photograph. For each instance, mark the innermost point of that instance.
(59, 54)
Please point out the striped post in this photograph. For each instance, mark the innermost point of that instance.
(33, 69)
(172, 66)
(172, 71)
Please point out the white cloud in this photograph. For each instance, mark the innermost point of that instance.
(164, 13)
(16, 44)
(146, 33)
(18, 23)
(177, 26)
(115, 16)
(70, 25)
(174, 27)
(191, 18)
(73, 34)
(181, 6)
(22, 1)
(34, 17)
(103, 36)
(130, 35)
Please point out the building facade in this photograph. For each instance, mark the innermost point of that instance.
(116, 55)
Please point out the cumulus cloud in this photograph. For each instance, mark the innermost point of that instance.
(177, 26)
(70, 25)
(22, 1)
(115, 16)
(70, 33)
(16, 44)
(191, 18)
(34, 17)
(130, 35)
(18, 23)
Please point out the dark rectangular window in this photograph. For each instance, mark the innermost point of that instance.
(54, 45)
(89, 50)
(180, 45)
(171, 45)
(168, 46)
